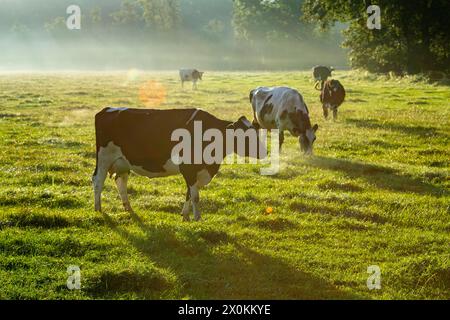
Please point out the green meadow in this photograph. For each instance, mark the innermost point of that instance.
(376, 192)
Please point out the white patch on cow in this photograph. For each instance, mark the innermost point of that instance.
(112, 154)
(110, 110)
(194, 200)
(186, 210)
(107, 156)
(169, 167)
(203, 178)
(284, 101)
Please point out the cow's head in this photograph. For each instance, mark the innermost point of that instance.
(332, 86)
(297, 122)
(247, 142)
(200, 74)
(307, 139)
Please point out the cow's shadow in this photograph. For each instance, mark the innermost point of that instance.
(206, 274)
(419, 131)
(379, 176)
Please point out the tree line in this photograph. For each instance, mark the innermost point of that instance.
(413, 37)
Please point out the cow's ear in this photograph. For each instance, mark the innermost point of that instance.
(245, 121)
(315, 128)
(231, 126)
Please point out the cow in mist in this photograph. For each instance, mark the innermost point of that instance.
(332, 96)
(190, 75)
(284, 109)
(321, 74)
(141, 140)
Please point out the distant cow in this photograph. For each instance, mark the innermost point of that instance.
(332, 96)
(190, 75)
(321, 74)
(141, 140)
(283, 108)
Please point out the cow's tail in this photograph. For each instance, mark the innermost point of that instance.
(97, 141)
(321, 82)
(96, 154)
(251, 95)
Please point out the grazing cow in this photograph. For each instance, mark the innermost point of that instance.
(321, 74)
(190, 75)
(283, 108)
(332, 96)
(141, 140)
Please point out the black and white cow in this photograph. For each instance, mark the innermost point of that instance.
(284, 109)
(140, 140)
(321, 74)
(190, 75)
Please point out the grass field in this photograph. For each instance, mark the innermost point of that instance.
(375, 193)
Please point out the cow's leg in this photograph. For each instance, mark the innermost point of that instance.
(187, 206)
(195, 199)
(121, 182)
(335, 114)
(194, 85)
(281, 139)
(325, 111)
(182, 84)
(98, 180)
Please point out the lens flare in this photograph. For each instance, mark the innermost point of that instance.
(131, 77)
(152, 93)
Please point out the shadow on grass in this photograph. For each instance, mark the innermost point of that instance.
(237, 273)
(301, 207)
(419, 131)
(381, 177)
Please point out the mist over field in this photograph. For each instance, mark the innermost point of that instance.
(34, 36)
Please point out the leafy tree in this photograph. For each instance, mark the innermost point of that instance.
(413, 38)
(129, 13)
(268, 19)
(161, 15)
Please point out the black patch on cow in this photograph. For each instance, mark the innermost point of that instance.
(300, 120)
(322, 72)
(267, 107)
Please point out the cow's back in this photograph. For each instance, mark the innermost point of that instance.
(329, 96)
(140, 133)
(145, 135)
(278, 97)
(188, 74)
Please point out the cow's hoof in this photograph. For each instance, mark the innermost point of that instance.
(186, 218)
